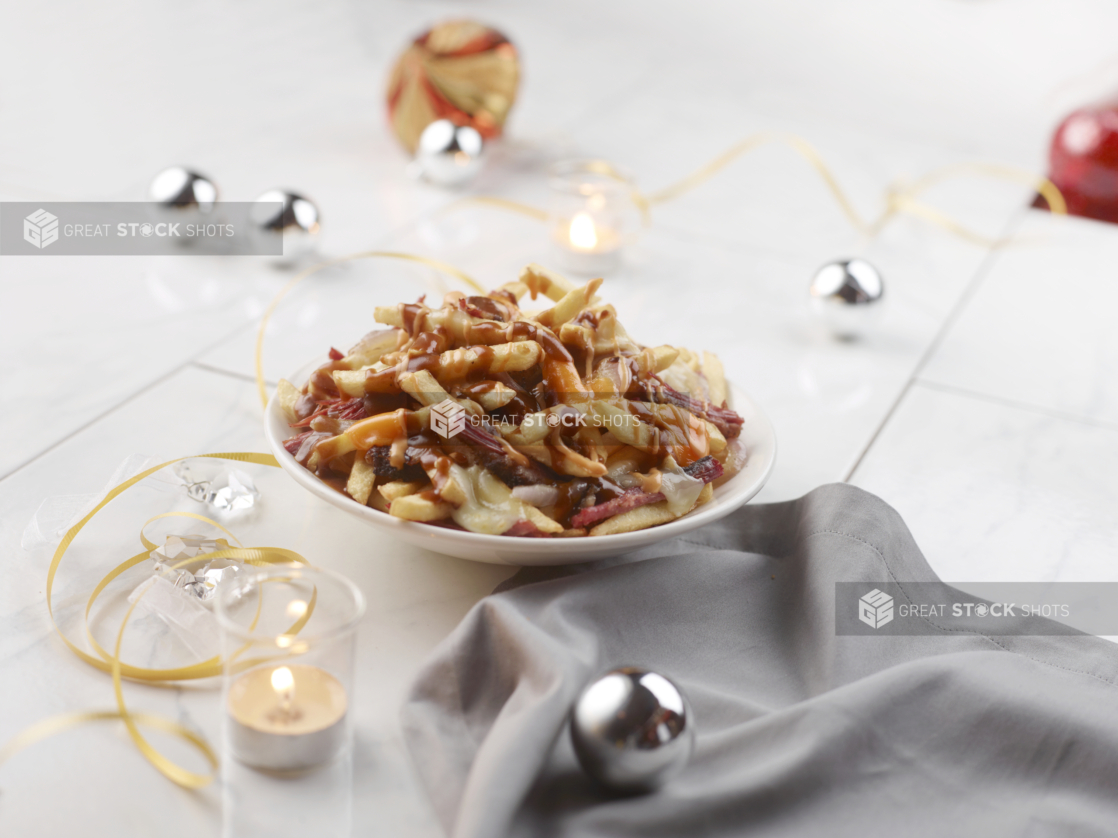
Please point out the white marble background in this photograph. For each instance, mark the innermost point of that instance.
(985, 407)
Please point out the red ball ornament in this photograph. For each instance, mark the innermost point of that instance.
(1083, 162)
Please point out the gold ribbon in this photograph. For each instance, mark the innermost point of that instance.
(369, 254)
(112, 663)
(898, 199)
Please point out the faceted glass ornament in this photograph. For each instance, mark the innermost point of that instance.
(232, 491)
(223, 488)
(1083, 162)
(201, 583)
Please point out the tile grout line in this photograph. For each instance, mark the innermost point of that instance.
(155, 382)
(126, 400)
(192, 361)
(1018, 405)
(240, 376)
(952, 316)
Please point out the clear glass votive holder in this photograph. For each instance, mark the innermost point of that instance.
(592, 215)
(288, 642)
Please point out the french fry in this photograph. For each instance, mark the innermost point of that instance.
(389, 316)
(517, 289)
(361, 480)
(625, 461)
(644, 517)
(716, 379)
(457, 364)
(704, 496)
(717, 440)
(542, 522)
(381, 429)
(690, 358)
(625, 426)
(396, 489)
(287, 394)
(572, 334)
(377, 502)
(350, 383)
(682, 378)
(656, 359)
(640, 518)
(539, 280)
(491, 395)
(370, 349)
(419, 508)
(570, 305)
(423, 387)
(566, 460)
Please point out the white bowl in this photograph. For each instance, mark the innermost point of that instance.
(757, 434)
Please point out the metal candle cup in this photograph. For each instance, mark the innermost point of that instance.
(300, 726)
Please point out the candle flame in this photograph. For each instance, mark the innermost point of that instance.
(282, 680)
(583, 234)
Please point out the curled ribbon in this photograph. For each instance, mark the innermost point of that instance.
(898, 199)
(112, 663)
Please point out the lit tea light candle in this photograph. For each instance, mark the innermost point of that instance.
(591, 209)
(286, 718)
(582, 233)
(589, 247)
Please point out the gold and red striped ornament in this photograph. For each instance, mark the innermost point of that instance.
(459, 70)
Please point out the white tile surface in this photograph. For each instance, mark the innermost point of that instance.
(414, 597)
(284, 94)
(993, 492)
(1040, 328)
(77, 337)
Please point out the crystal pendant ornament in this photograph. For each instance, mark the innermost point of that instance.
(449, 154)
(181, 189)
(229, 490)
(290, 217)
(201, 583)
(846, 297)
(632, 729)
(232, 491)
(1083, 162)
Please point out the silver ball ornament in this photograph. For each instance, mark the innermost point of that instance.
(179, 188)
(289, 216)
(449, 154)
(632, 729)
(846, 296)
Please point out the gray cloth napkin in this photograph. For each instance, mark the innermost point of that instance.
(800, 731)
